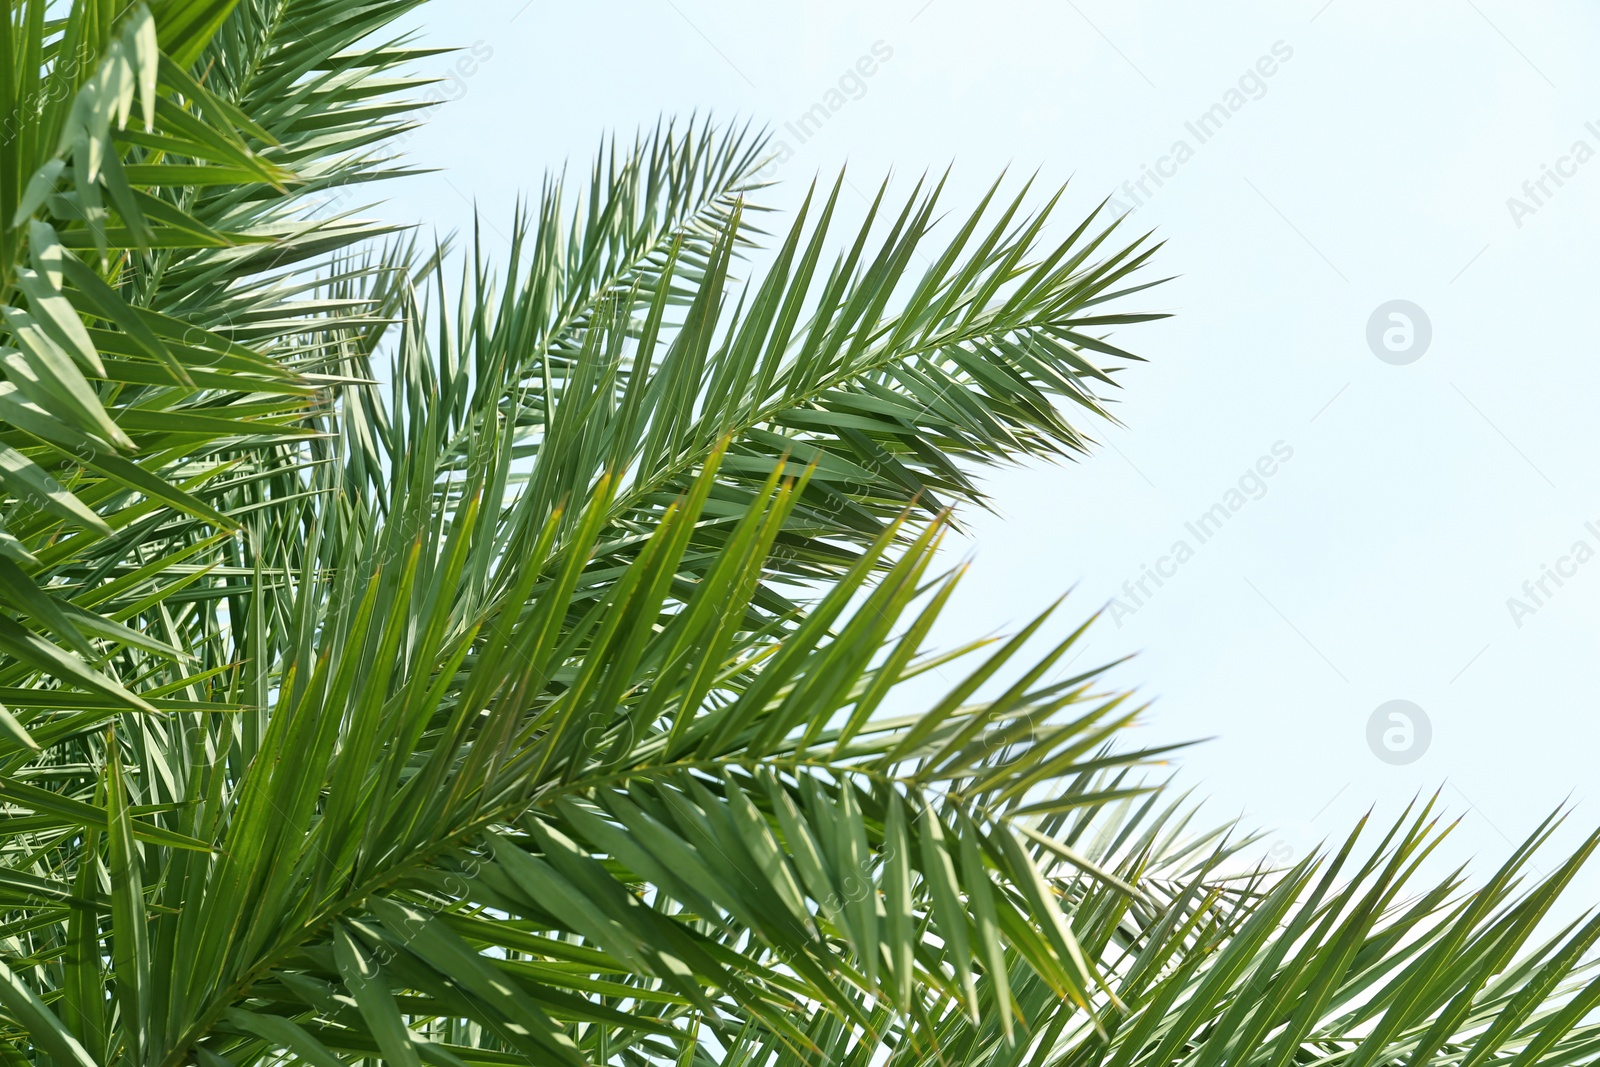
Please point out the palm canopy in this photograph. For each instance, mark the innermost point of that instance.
(507, 668)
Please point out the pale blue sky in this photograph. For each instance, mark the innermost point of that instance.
(1370, 154)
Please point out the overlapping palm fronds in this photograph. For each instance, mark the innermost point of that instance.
(513, 669)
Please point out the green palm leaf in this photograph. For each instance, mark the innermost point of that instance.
(514, 668)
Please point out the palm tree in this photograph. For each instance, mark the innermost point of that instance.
(510, 668)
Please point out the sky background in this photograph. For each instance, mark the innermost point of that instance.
(1377, 162)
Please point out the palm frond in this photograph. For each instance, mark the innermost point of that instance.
(470, 672)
